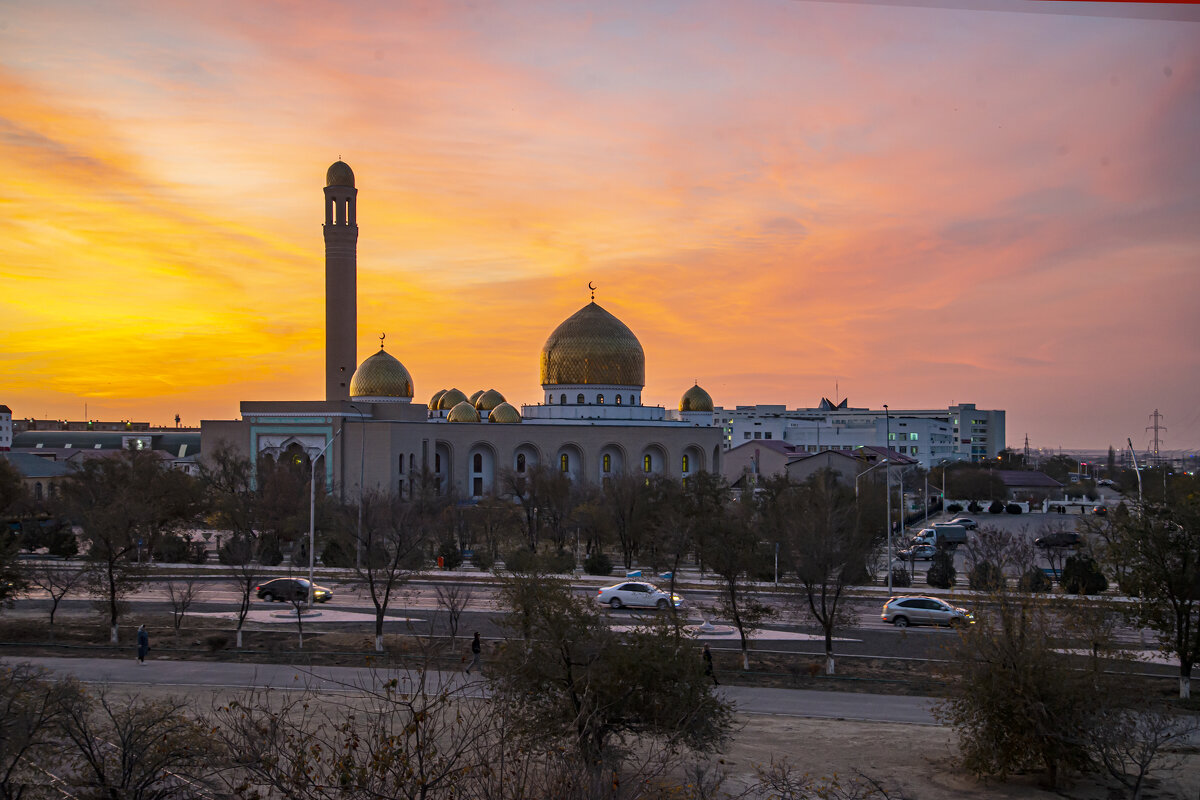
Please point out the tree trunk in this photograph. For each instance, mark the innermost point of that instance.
(378, 644)
(828, 651)
(379, 629)
(112, 633)
(1185, 687)
(745, 658)
(239, 637)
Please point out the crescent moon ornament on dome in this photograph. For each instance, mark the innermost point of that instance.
(593, 288)
(382, 336)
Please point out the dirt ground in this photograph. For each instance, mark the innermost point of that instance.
(914, 762)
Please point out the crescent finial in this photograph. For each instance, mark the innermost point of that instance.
(593, 288)
(382, 336)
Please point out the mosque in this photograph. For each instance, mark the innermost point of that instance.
(590, 422)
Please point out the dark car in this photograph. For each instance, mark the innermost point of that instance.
(1059, 539)
(291, 590)
(1100, 511)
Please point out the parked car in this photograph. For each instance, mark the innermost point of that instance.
(1059, 539)
(291, 589)
(905, 611)
(1100, 511)
(636, 594)
(966, 522)
(1105, 482)
(920, 552)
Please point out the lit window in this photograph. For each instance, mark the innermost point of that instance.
(891, 437)
(607, 463)
(600, 399)
(564, 462)
(685, 463)
(618, 399)
(646, 464)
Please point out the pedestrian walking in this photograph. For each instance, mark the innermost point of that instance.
(708, 667)
(143, 642)
(476, 649)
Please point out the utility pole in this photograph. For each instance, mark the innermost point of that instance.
(1027, 451)
(887, 443)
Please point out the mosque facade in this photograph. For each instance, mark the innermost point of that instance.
(590, 422)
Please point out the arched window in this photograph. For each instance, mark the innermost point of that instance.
(646, 463)
(685, 463)
(607, 463)
(600, 399)
(618, 399)
(520, 462)
(579, 399)
(562, 399)
(37, 491)
(477, 462)
(401, 464)
(564, 462)
(437, 462)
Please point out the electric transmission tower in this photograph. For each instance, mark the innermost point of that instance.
(1156, 444)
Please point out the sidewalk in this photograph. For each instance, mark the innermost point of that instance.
(283, 677)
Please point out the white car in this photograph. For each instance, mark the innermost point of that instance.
(636, 594)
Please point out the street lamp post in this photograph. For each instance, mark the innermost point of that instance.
(864, 472)
(312, 513)
(887, 443)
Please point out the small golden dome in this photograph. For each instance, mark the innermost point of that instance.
(504, 413)
(381, 375)
(474, 397)
(433, 401)
(463, 412)
(696, 399)
(339, 174)
(450, 399)
(488, 400)
(593, 346)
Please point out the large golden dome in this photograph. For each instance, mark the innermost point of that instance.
(381, 375)
(463, 412)
(339, 174)
(593, 346)
(488, 400)
(696, 399)
(504, 413)
(450, 399)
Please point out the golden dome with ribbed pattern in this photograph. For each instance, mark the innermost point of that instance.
(433, 401)
(450, 399)
(593, 347)
(696, 399)
(463, 412)
(381, 375)
(339, 174)
(504, 413)
(475, 396)
(488, 400)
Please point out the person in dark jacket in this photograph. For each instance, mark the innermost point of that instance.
(143, 642)
(476, 649)
(708, 667)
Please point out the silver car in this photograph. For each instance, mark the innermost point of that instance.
(636, 594)
(905, 611)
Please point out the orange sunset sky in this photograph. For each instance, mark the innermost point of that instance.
(921, 205)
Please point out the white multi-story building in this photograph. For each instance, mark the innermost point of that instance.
(931, 436)
(6, 428)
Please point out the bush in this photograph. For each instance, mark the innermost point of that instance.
(997, 507)
(974, 507)
(1034, 580)
(520, 560)
(1082, 575)
(236, 550)
(216, 642)
(483, 560)
(901, 577)
(270, 555)
(560, 562)
(1013, 508)
(941, 574)
(335, 554)
(953, 508)
(986, 577)
(450, 554)
(597, 563)
(62, 542)
(175, 549)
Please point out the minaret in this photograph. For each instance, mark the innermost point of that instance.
(341, 266)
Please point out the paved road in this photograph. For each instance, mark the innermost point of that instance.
(194, 674)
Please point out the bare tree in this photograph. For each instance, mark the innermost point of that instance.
(55, 579)
(828, 546)
(32, 704)
(1130, 742)
(136, 749)
(392, 541)
(182, 595)
(730, 543)
(453, 598)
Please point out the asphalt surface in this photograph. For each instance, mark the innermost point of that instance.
(188, 675)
